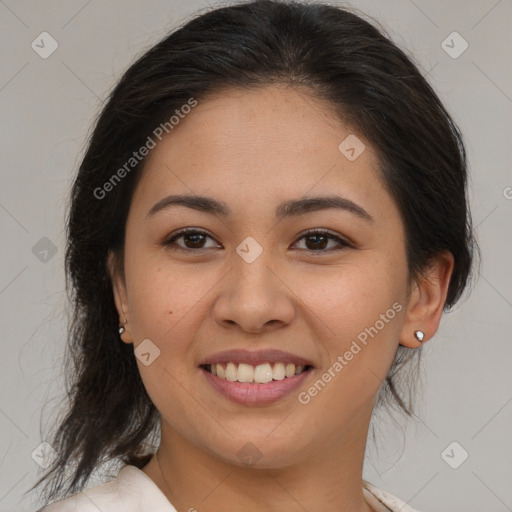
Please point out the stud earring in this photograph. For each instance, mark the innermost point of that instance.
(419, 335)
(121, 330)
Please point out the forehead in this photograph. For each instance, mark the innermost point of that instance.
(250, 146)
(269, 123)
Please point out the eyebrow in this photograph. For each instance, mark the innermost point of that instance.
(289, 208)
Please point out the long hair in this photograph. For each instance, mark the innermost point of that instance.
(339, 57)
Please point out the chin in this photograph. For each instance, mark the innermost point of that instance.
(259, 450)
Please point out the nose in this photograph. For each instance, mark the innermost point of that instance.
(254, 297)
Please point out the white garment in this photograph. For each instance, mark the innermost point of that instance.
(133, 491)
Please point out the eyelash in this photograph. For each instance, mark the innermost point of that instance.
(195, 231)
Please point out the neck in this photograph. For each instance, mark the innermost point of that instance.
(329, 480)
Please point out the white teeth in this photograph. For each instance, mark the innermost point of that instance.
(260, 374)
(279, 373)
(263, 373)
(245, 373)
(231, 372)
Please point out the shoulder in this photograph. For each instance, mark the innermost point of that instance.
(130, 491)
(384, 501)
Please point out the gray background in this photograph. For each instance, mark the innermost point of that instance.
(47, 107)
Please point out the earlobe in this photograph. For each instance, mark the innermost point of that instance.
(120, 298)
(426, 301)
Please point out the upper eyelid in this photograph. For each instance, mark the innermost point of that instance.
(186, 231)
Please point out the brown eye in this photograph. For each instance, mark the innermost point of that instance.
(193, 240)
(196, 240)
(318, 240)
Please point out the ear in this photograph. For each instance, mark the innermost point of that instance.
(120, 296)
(426, 301)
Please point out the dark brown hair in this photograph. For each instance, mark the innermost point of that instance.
(338, 57)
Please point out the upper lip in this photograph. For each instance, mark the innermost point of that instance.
(255, 357)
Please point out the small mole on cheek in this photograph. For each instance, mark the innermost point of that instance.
(170, 312)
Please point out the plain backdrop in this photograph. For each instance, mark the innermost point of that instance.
(47, 107)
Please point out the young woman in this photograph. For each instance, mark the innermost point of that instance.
(269, 221)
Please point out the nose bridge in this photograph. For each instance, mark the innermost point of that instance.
(252, 269)
(254, 295)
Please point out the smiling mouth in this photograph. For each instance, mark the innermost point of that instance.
(255, 374)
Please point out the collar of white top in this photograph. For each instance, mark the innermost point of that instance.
(133, 491)
(378, 499)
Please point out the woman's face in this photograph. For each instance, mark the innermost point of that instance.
(252, 281)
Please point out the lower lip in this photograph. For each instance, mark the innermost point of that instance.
(256, 394)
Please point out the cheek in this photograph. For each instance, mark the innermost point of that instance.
(362, 306)
(164, 302)
(363, 313)
(351, 297)
(161, 295)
